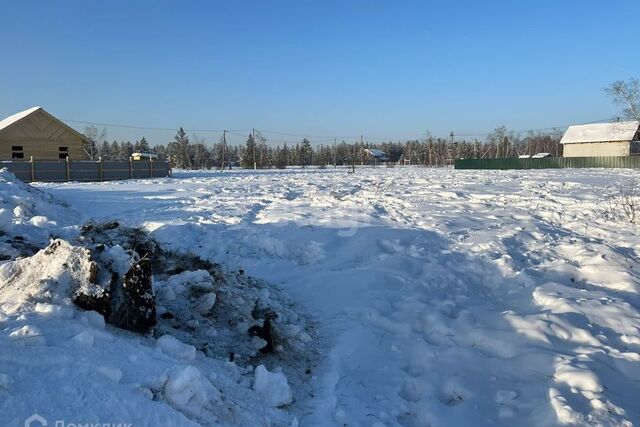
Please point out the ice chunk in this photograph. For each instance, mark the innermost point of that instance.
(166, 293)
(119, 259)
(258, 343)
(272, 387)
(84, 339)
(5, 381)
(205, 303)
(28, 335)
(54, 310)
(93, 318)
(174, 348)
(198, 278)
(187, 390)
(505, 396)
(42, 222)
(114, 374)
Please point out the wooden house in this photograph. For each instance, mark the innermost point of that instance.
(36, 133)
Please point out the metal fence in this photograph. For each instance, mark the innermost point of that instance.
(550, 163)
(86, 170)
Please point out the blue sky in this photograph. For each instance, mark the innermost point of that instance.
(329, 68)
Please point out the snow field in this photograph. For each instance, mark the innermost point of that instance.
(443, 297)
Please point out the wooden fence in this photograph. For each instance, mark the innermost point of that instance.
(550, 163)
(86, 170)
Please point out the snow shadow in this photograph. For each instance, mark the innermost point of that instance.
(416, 332)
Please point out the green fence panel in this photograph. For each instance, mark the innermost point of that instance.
(550, 163)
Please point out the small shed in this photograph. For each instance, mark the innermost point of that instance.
(144, 156)
(601, 140)
(36, 133)
(541, 155)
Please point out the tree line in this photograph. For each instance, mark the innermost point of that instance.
(195, 153)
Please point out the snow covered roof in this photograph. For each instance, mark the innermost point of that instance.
(376, 152)
(601, 132)
(5, 123)
(541, 155)
(17, 116)
(149, 155)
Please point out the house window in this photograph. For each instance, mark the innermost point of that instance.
(63, 155)
(63, 152)
(16, 152)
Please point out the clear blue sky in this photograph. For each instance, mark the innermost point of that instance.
(378, 68)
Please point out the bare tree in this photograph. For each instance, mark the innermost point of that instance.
(625, 203)
(199, 152)
(626, 94)
(95, 137)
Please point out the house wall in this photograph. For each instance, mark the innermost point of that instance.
(41, 136)
(596, 149)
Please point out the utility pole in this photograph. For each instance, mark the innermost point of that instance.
(335, 165)
(224, 147)
(353, 159)
(253, 136)
(361, 151)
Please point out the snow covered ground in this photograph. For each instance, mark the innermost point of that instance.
(443, 297)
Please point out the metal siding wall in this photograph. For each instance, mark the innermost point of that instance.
(551, 163)
(141, 169)
(50, 170)
(113, 170)
(22, 170)
(84, 170)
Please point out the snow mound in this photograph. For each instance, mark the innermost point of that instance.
(49, 278)
(29, 217)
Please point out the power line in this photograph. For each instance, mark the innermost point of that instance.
(148, 127)
(319, 139)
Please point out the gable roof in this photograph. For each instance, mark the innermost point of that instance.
(375, 152)
(15, 118)
(601, 132)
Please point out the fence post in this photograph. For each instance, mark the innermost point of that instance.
(33, 170)
(150, 167)
(100, 168)
(130, 167)
(68, 168)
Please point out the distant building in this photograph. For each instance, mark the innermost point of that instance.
(36, 133)
(541, 155)
(601, 140)
(375, 155)
(144, 156)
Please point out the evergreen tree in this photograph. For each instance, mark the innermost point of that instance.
(115, 151)
(282, 157)
(249, 155)
(142, 146)
(178, 150)
(306, 153)
(126, 149)
(105, 150)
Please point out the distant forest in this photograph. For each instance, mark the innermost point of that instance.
(194, 153)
